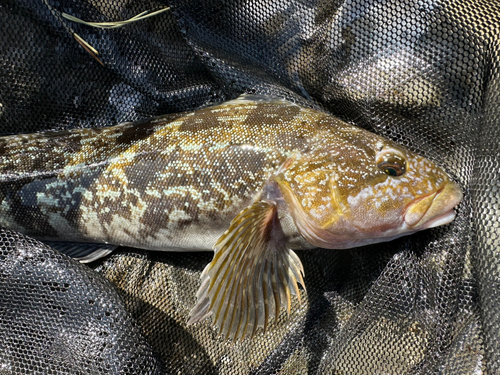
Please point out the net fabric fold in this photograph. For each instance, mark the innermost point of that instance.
(61, 317)
(425, 74)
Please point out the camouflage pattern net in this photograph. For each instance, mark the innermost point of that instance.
(425, 74)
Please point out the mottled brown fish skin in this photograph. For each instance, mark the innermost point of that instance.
(152, 184)
(177, 181)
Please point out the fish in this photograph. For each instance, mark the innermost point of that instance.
(253, 179)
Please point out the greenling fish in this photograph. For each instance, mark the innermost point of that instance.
(252, 179)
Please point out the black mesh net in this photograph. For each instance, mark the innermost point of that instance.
(423, 73)
(59, 317)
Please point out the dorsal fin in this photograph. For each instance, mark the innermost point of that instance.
(259, 98)
(251, 276)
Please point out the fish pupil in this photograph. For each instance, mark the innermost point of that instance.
(391, 171)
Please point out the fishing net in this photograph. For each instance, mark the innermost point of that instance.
(423, 73)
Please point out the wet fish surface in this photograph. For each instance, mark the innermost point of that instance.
(252, 179)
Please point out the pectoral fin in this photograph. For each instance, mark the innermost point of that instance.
(251, 276)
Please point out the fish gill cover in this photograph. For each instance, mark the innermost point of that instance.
(424, 74)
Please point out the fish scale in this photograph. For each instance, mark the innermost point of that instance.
(252, 179)
(176, 172)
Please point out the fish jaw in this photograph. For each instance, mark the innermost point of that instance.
(435, 209)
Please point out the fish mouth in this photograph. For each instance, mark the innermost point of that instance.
(434, 209)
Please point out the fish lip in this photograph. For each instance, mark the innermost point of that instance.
(446, 218)
(416, 201)
(447, 213)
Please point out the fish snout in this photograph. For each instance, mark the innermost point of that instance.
(435, 209)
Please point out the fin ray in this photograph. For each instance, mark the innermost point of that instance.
(251, 276)
(82, 251)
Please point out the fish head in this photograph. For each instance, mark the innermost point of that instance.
(364, 189)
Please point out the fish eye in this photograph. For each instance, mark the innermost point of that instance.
(391, 163)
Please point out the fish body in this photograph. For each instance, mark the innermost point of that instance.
(172, 183)
(166, 184)
(251, 179)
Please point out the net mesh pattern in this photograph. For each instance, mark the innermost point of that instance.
(59, 317)
(425, 74)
